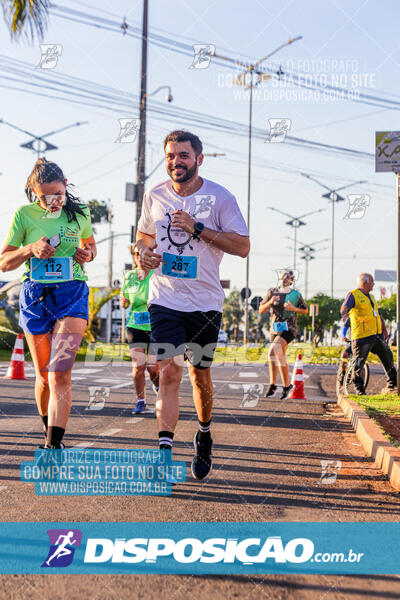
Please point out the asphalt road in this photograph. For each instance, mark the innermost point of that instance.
(267, 467)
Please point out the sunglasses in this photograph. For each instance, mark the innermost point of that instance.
(54, 199)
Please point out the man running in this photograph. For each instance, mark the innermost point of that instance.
(191, 221)
(368, 333)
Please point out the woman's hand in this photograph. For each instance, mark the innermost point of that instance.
(123, 302)
(83, 255)
(42, 248)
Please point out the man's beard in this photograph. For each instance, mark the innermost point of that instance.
(188, 174)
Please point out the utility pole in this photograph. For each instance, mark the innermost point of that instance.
(140, 176)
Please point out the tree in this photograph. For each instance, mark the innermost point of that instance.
(99, 212)
(97, 298)
(387, 308)
(232, 313)
(26, 17)
(329, 313)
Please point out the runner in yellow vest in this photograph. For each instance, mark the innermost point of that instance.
(368, 332)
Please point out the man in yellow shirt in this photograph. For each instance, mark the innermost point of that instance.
(368, 332)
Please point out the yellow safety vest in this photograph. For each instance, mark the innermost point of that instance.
(364, 319)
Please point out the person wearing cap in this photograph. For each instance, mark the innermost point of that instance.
(285, 304)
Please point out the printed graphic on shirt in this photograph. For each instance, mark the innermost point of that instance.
(204, 205)
(177, 237)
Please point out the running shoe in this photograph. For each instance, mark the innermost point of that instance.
(46, 447)
(140, 407)
(271, 390)
(285, 391)
(202, 461)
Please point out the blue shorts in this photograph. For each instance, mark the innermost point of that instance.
(42, 304)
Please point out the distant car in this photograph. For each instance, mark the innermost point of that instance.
(222, 337)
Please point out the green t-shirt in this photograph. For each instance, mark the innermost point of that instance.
(31, 222)
(137, 292)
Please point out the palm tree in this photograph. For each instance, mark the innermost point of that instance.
(26, 17)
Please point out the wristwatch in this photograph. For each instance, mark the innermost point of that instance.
(92, 259)
(198, 229)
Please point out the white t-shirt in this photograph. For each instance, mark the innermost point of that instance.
(212, 205)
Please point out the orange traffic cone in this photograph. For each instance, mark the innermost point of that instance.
(298, 392)
(16, 370)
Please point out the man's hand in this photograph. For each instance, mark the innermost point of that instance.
(147, 258)
(183, 220)
(83, 255)
(123, 302)
(42, 249)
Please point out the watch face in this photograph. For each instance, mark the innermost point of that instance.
(199, 227)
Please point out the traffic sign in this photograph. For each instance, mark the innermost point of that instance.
(314, 310)
(130, 192)
(245, 293)
(387, 151)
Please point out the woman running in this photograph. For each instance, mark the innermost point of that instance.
(55, 233)
(284, 302)
(135, 292)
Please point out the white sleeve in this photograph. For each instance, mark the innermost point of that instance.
(146, 223)
(229, 217)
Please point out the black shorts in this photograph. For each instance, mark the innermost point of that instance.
(194, 334)
(138, 338)
(288, 336)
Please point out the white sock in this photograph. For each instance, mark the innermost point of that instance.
(142, 400)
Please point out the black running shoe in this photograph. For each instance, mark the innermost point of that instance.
(271, 390)
(202, 461)
(46, 447)
(285, 391)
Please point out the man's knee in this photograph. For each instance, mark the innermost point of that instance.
(170, 372)
(201, 378)
(138, 370)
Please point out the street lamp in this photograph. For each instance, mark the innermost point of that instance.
(333, 197)
(308, 252)
(38, 144)
(141, 160)
(295, 222)
(246, 78)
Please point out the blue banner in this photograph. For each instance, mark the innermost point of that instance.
(200, 548)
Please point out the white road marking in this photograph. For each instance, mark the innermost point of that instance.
(121, 385)
(83, 444)
(109, 432)
(134, 420)
(87, 371)
(249, 374)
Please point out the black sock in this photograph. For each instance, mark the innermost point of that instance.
(45, 419)
(54, 436)
(165, 440)
(204, 430)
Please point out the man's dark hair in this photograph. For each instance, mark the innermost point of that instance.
(185, 136)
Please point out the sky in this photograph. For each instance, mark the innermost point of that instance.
(353, 43)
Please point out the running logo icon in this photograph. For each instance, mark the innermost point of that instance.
(50, 54)
(62, 547)
(358, 204)
(128, 131)
(204, 205)
(202, 56)
(278, 129)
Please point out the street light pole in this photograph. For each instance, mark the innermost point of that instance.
(333, 197)
(241, 80)
(295, 223)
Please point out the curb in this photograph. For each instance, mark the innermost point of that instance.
(385, 455)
